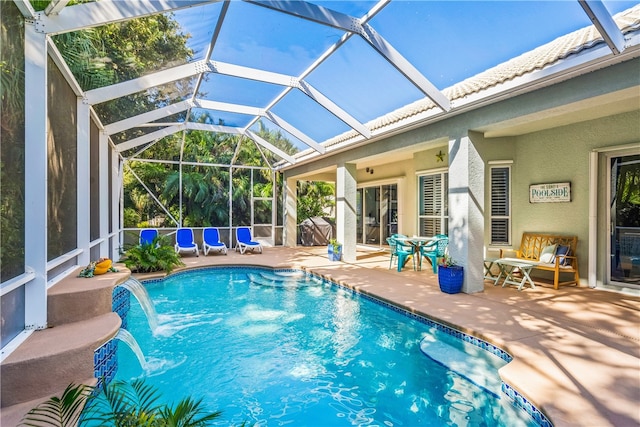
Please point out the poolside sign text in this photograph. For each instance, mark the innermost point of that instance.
(550, 193)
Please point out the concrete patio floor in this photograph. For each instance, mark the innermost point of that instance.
(576, 350)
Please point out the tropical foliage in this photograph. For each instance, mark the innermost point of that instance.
(60, 411)
(120, 404)
(315, 198)
(627, 195)
(12, 135)
(158, 255)
(214, 164)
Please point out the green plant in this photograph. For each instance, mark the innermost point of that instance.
(335, 243)
(60, 411)
(158, 255)
(119, 404)
(447, 261)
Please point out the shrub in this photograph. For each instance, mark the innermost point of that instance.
(158, 255)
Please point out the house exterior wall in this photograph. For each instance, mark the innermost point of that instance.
(559, 153)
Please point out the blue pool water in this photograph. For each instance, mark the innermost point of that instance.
(281, 348)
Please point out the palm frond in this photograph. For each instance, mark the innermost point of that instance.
(60, 411)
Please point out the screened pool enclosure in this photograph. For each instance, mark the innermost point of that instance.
(118, 115)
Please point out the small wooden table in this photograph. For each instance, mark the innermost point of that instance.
(488, 265)
(508, 266)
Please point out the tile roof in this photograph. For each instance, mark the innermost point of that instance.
(529, 62)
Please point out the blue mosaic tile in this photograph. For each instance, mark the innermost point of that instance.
(121, 304)
(517, 399)
(521, 402)
(105, 362)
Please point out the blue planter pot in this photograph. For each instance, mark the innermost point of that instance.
(334, 252)
(451, 279)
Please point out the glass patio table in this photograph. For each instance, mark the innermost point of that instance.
(416, 242)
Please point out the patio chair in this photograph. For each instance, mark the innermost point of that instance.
(147, 235)
(404, 251)
(244, 240)
(393, 247)
(435, 249)
(185, 241)
(400, 250)
(211, 241)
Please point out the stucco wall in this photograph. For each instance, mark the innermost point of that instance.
(558, 155)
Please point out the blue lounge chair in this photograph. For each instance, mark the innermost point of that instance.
(435, 249)
(185, 241)
(147, 235)
(244, 240)
(211, 241)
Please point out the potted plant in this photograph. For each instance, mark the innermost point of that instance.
(450, 275)
(334, 250)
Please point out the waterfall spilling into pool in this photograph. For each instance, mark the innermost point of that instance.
(125, 336)
(140, 293)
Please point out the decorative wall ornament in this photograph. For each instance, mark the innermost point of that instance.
(440, 156)
(550, 193)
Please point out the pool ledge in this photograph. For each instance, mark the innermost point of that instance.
(80, 319)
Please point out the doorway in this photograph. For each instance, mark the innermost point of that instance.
(624, 220)
(377, 214)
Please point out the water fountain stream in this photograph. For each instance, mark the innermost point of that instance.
(126, 337)
(140, 293)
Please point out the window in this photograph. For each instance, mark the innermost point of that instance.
(500, 205)
(433, 215)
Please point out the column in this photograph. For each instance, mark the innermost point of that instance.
(104, 171)
(466, 208)
(346, 187)
(83, 234)
(291, 212)
(36, 94)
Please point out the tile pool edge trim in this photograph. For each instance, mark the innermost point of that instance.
(517, 400)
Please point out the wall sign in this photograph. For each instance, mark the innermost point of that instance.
(550, 193)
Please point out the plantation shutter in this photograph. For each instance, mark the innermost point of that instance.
(433, 205)
(500, 205)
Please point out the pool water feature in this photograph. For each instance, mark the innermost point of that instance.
(286, 348)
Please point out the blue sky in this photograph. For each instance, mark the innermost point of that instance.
(447, 41)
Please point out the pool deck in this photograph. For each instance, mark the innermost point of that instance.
(576, 350)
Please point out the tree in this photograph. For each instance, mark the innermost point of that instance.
(12, 135)
(315, 198)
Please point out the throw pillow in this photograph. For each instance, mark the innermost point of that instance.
(561, 252)
(548, 253)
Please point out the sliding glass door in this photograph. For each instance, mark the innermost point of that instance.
(624, 219)
(377, 212)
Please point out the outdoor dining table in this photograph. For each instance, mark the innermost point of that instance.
(508, 266)
(416, 242)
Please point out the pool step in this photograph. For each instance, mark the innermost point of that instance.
(74, 298)
(50, 359)
(283, 280)
(473, 363)
(80, 320)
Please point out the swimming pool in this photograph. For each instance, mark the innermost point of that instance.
(285, 348)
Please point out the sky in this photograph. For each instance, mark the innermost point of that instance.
(447, 41)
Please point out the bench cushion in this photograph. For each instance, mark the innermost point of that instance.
(552, 266)
(548, 253)
(561, 251)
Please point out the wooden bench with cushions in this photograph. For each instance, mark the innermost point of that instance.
(556, 253)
